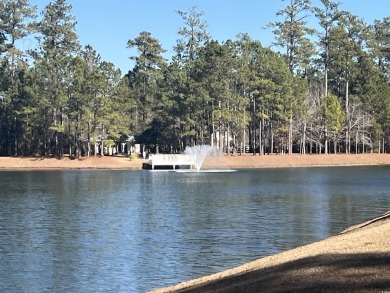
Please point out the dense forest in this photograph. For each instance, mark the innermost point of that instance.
(323, 90)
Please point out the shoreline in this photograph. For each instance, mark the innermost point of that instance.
(212, 162)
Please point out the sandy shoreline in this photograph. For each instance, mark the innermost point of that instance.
(245, 161)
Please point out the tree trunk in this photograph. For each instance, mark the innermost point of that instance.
(363, 138)
(303, 148)
(290, 134)
(254, 139)
(102, 148)
(356, 141)
(326, 140)
(383, 144)
(347, 134)
(220, 142)
(16, 138)
(227, 139)
(260, 138)
(244, 136)
(272, 138)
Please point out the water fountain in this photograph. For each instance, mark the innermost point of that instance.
(190, 161)
(198, 153)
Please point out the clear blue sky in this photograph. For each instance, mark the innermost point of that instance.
(108, 25)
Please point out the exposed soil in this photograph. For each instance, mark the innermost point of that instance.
(296, 160)
(244, 161)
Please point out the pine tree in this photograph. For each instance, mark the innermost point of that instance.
(292, 35)
(58, 44)
(328, 17)
(193, 36)
(145, 79)
(380, 44)
(347, 46)
(16, 18)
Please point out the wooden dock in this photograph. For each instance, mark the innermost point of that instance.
(169, 162)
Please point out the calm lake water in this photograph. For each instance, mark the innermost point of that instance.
(133, 231)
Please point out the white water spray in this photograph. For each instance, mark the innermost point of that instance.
(198, 154)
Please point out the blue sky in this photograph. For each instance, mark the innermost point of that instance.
(108, 25)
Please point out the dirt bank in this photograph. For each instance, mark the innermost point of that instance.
(38, 163)
(245, 161)
(357, 260)
(296, 160)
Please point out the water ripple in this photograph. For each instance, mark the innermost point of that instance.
(132, 231)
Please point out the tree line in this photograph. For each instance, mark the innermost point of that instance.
(317, 90)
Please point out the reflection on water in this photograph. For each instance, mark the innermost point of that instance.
(132, 231)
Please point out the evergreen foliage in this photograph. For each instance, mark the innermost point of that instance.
(328, 91)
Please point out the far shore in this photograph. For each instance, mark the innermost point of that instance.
(232, 162)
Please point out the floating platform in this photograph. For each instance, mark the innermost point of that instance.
(206, 171)
(169, 162)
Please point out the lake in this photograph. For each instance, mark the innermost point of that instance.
(133, 231)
